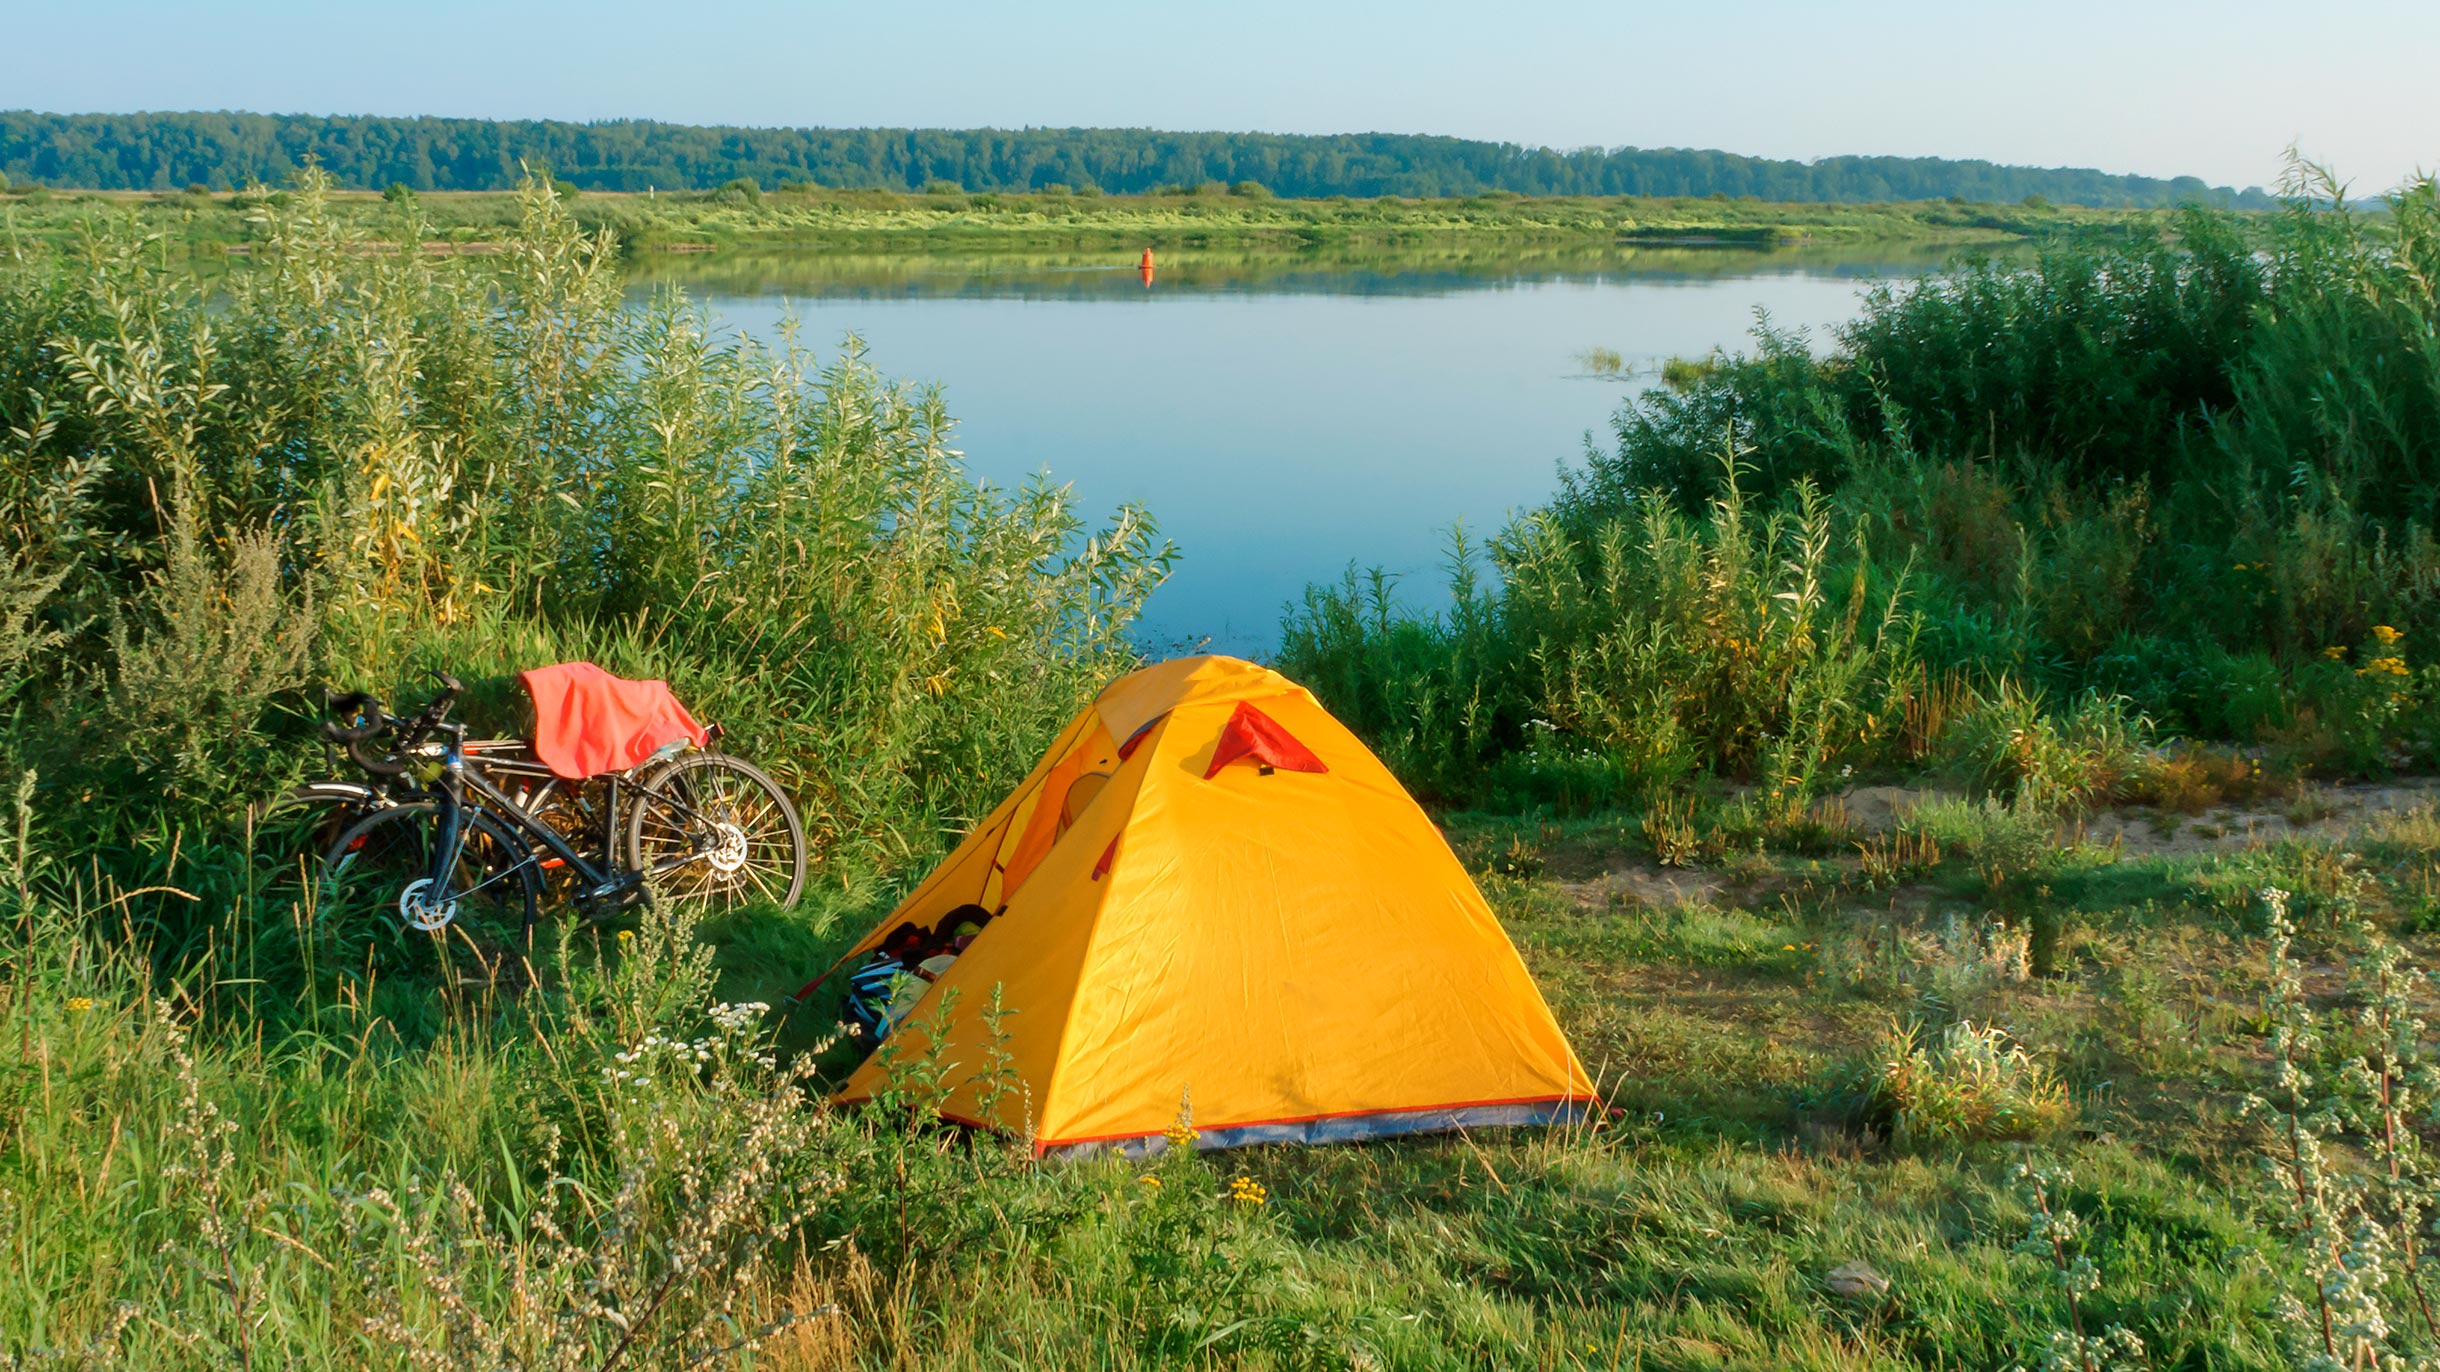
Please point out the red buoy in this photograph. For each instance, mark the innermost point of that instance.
(1147, 264)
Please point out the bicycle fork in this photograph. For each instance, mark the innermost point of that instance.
(430, 904)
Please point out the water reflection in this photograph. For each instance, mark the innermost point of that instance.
(1365, 269)
(1285, 413)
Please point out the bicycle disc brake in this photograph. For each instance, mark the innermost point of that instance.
(728, 848)
(426, 915)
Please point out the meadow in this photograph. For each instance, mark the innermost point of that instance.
(205, 224)
(1956, 792)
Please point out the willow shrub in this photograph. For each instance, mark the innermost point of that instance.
(1662, 646)
(350, 462)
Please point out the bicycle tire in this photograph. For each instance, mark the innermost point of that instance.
(393, 848)
(325, 809)
(714, 828)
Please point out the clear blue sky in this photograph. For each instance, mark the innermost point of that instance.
(2155, 86)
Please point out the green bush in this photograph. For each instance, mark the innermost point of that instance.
(1655, 648)
(1967, 1083)
(2049, 760)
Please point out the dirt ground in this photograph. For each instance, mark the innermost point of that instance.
(2319, 811)
(2324, 812)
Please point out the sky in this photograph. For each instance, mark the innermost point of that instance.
(2158, 87)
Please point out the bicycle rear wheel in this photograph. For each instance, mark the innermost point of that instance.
(384, 862)
(713, 829)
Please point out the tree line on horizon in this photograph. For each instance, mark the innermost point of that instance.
(170, 151)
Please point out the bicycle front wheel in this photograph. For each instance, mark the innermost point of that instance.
(384, 862)
(313, 815)
(714, 830)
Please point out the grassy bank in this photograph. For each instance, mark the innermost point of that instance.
(207, 223)
(1815, 1157)
(1913, 774)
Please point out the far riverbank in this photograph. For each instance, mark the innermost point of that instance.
(884, 221)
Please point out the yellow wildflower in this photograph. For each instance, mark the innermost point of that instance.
(2384, 666)
(1181, 1131)
(626, 935)
(2334, 652)
(80, 1004)
(1249, 1192)
(1153, 1182)
(2386, 634)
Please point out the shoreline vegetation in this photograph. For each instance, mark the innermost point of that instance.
(2023, 520)
(1955, 790)
(746, 217)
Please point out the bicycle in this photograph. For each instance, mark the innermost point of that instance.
(478, 826)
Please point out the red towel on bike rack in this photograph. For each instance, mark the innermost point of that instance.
(588, 722)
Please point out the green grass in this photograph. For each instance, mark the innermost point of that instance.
(1747, 1160)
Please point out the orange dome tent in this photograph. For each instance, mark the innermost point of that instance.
(1208, 886)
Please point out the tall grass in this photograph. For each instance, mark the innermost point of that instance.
(2187, 480)
(620, 1175)
(350, 464)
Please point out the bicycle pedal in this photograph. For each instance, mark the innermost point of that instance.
(617, 898)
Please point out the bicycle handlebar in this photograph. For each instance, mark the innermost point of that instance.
(357, 719)
(353, 716)
(435, 711)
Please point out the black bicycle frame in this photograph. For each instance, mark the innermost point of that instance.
(457, 779)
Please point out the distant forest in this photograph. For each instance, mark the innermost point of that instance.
(173, 151)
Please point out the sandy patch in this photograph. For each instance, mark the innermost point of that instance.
(1877, 809)
(2323, 812)
(2327, 813)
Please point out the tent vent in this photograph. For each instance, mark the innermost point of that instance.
(1251, 733)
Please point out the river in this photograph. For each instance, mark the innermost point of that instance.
(1285, 415)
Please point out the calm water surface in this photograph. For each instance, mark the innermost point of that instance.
(1284, 418)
